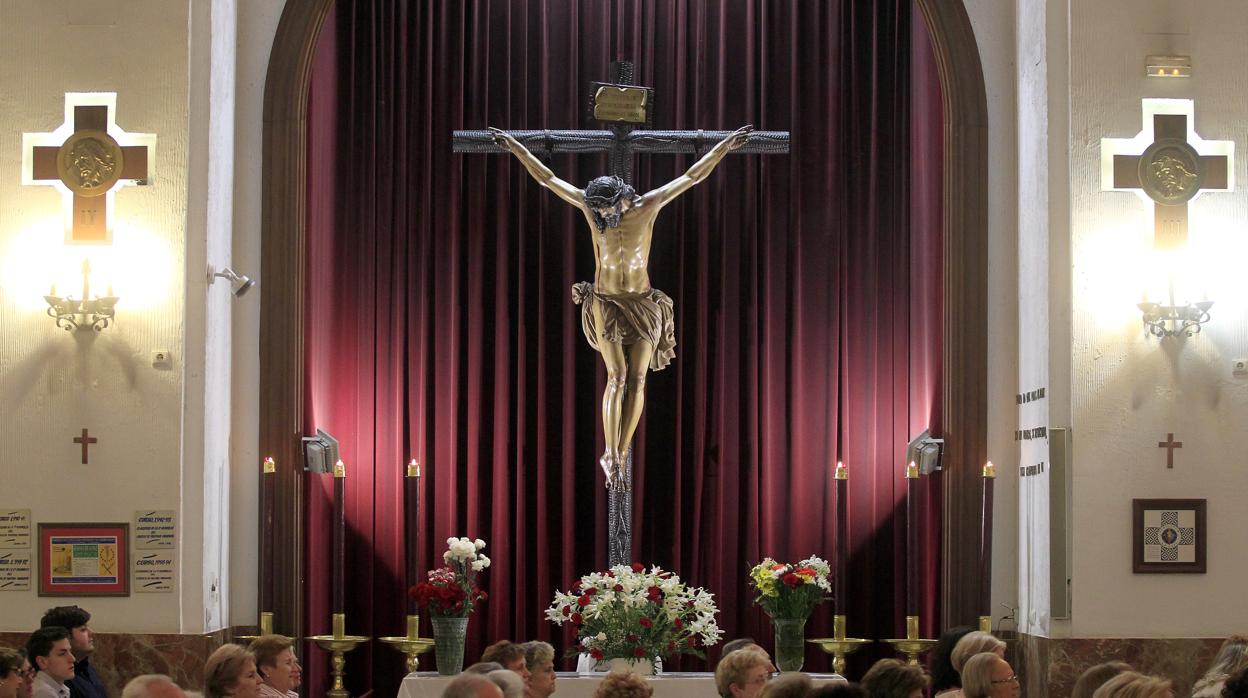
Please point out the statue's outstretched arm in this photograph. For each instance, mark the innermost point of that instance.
(538, 170)
(701, 169)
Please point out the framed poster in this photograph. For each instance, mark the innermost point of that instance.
(1168, 536)
(84, 559)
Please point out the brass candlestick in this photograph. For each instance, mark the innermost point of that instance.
(339, 643)
(413, 645)
(266, 628)
(838, 645)
(912, 646)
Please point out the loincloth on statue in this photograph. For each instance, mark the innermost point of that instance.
(647, 317)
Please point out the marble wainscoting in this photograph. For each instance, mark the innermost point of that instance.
(120, 657)
(1050, 666)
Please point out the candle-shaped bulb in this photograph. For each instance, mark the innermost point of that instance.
(270, 465)
(842, 473)
(340, 469)
(990, 470)
(912, 470)
(110, 290)
(53, 292)
(413, 468)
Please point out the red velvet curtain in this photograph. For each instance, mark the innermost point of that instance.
(440, 324)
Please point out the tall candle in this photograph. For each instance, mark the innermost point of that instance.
(267, 503)
(840, 596)
(985, 544)
(338, 589)
(411, 528)
(912, 539)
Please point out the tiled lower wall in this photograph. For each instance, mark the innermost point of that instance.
(120, 657)
(1050, 667)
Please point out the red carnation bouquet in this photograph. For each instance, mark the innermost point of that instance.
(451, 590)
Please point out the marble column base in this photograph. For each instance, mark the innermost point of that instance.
(1050, 666)
(120, 657)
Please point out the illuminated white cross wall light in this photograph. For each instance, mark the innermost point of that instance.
(88, 158)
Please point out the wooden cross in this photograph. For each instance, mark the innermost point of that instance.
(85, 441)
(1170, 444)
(1171, 173)
(87, 159)
(624, 106)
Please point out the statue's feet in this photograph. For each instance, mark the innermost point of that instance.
(607, 463)
(617, 478)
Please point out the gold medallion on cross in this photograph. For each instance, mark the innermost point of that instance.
(88, 158)
(1171, 169)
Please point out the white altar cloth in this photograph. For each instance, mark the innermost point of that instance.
(428, 684)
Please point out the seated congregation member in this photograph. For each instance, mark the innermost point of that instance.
(742, 674)
(1232, 656)
(623, 684)
(945, 679)
(508, 681)
(1131, 684)
(509, 654)
(10, 672)
(277, 665)
(891, 678)
(86, 682)
(27, 687)
(793, 684)
(53, 661)
(152, 686)
(539, 658)
(471, 685)
(740, 644)
(231, 673)
(987, 675)
(1095, 676)
(1236, 686)
(972, 644)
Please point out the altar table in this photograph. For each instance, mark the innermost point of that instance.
(671, 684)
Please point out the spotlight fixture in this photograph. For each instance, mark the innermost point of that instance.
(85, 314)
(240, 284)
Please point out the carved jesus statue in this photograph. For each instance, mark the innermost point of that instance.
(628, 321)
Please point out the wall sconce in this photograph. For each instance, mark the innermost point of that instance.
(240, 284)
(1168, 66)
(86, 313)
(1174, 320)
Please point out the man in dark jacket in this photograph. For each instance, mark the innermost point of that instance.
(86, 682)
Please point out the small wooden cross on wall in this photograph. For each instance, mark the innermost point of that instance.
(1169, 171)
(88, 158)
(86, 441)
(1170, 444)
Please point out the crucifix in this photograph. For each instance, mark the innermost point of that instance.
(1170, 444)
(628, 321)
(88, 158)
(86, 441)
(1169, 171)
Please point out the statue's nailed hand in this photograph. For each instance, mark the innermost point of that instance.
(739, 137)
(503, 140)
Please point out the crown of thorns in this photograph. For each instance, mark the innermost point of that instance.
(605, 192)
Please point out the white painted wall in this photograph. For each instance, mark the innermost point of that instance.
(165, 435)
(257, 25)
(1127, 390)
(53, 383)
(993, 22)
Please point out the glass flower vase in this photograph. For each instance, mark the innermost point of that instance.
(790, 643)
(449, 634)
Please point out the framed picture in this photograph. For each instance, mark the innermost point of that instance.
(1168, 536)
(84, 559)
